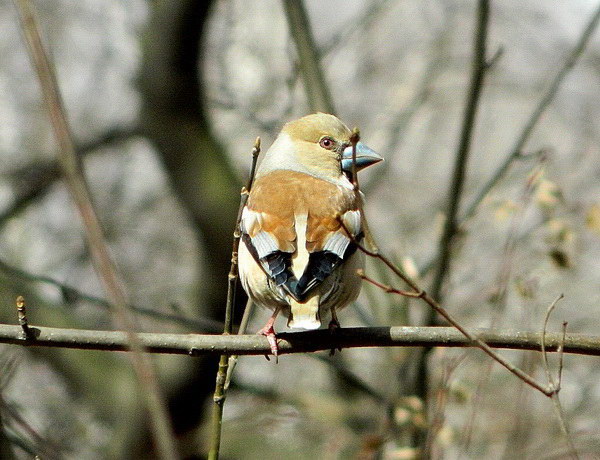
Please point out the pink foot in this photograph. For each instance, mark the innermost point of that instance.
(334, 325)
(269, 333)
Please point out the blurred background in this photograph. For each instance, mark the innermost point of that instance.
(165, 99)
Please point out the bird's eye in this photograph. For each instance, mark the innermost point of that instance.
(327, 143)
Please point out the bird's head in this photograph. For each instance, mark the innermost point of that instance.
(318, 144)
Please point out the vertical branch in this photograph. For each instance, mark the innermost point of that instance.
(317, 92)
(551, 382)
(554, 386)
(233, 359)
(479, 67)
(364, 225)
(221, 382)
(102, 261)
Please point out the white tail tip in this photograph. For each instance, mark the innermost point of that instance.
(304, 323)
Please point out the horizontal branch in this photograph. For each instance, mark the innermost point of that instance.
(297, 342)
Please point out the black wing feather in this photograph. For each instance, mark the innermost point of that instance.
(320, 265)
(277, 265)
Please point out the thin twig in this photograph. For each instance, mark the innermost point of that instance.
(364, 225)
(551, 382)
(389, 289)
(101, 259)
(220, 392)
(555, 385)
(317, 91)
(418, 292)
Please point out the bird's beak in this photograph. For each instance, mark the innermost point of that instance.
(364, 157)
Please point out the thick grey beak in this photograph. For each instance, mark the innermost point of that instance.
(364, 157)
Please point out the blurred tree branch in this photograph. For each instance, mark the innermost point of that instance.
(72, 295)
(547, 98)
(479, 68)
(102, 260)
(315, 87)
(516, 152)
(300, 342)
(31, 182)
(174, 118)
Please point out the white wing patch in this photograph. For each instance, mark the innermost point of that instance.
(338, 241)
(263, 242)
(351, 221)
(249, 220)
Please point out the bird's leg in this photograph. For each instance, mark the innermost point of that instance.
(334, 325)
(268, 331)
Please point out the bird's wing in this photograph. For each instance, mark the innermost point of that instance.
(268, 228)
(329, 244)
(268, 231)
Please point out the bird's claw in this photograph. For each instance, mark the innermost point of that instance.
(269, 333)
(333, 327)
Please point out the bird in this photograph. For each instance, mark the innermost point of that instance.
(301, 225)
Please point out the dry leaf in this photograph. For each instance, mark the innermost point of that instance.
(592, 218)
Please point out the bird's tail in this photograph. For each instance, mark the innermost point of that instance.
(304, 315)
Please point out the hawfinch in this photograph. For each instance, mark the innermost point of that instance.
(295, 256)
